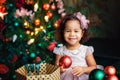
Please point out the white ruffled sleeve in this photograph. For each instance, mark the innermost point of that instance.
(58, 51)
(90, 50)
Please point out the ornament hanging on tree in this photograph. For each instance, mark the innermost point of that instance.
(2, 1)
(29, 1)
(49, 14)
(3, 69)
(46, 6)
(52, 46)
(65, 61)
(37, 59)
(37, 22)
(53, 7)
(14, 58)
(19, 3)
(14, 38)
(2, 12)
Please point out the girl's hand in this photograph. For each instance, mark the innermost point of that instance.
(62, 70)
(77, 70)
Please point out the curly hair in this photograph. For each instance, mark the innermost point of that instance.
(59, 35)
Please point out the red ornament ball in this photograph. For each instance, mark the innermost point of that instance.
(112, 77)
(49, 14)
(110, 70)
(65, 61)
(46, 6)
(53, 7)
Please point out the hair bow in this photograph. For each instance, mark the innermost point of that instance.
(82, 18)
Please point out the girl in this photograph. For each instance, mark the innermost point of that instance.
(73, 31)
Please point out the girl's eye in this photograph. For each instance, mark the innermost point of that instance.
(67, 31)
(76, 31)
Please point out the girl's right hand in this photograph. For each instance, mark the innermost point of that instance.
(62, 70)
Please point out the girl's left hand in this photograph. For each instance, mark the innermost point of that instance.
(77, 70)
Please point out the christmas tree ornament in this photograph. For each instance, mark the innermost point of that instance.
(97, 74)
(2, 12)
(29, 2)
(46, 6)
(30, 41)
(57, 23)
(111, 77)
(37, 59)
(26, 24)
(3, 69)
(49, 14)
(37, 22)
(14, 58)
(46, 18)
(65, 61)
(6, 40)
(110, 70)
(52, 46)
(2, 1)
(14, 38)
(36, 7)
(32, 55)
(19, 3)
(53, 7)
(16, 24)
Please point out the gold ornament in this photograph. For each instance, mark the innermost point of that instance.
(29, 1)
(37, 22)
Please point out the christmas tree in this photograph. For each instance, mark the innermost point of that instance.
(27, 32)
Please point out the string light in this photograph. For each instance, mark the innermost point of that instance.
(36, 7)
(46, 18)
(30, 41)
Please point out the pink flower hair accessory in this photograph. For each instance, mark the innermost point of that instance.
(82, 18)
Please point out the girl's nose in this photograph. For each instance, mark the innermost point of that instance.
(72, 33)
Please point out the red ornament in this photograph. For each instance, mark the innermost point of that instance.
(3, 69)
(52, 46)
(53, 7)
(37, 59)
(14, 58)
(46, 6)
(2, 1)
(49, 14)
(110, 70)
(19, 3)
(65, 61)
(112, 77)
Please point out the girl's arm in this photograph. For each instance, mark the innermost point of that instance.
(79, 70)
(91, 64)
(57, 59)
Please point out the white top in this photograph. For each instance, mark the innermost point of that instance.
(77, 56)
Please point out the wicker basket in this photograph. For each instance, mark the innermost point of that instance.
(46, 72)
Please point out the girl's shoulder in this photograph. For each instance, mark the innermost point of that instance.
(87, 48)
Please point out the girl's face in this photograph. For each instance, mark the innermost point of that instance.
(72, 32)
